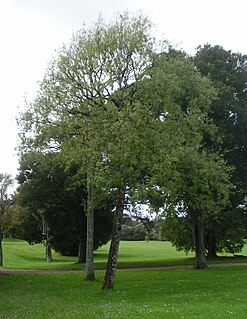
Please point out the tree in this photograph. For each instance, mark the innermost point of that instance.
(110, 103)
(91, 82)
(228, 72)
(203, 193)
(5, 203)
(182, 98)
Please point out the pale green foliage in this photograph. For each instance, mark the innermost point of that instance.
(6, 182)
(123, 113)
(97, 62)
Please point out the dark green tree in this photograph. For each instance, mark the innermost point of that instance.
(228, 72)
(50, 191)
(181, 100)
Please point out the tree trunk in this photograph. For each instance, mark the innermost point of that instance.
(1, 248)
(90, 275)
(48, 250)
(197, 230)
(111, 268)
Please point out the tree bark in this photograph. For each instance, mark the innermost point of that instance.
(90, 275)
(111, 268)
(197, 230)
(48, 250)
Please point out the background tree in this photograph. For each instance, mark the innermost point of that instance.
(47, 187)
(228, 72)
(5, 203)
(227, 234)
(203, 194)
(224, 231)
(182, 98)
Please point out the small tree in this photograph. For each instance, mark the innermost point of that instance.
(5, 203)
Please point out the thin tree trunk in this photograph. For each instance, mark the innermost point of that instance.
(197, 230)
(111, 268)
(48, 250)
(90, 275)
(1, 247)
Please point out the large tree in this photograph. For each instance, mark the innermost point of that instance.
(5, 203)
(181, 99)
(228, 72)
(93, 74)
(110, 103)
(50, 193)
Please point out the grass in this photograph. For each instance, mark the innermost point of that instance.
(18, 254)
(216, 293)
(182, 293)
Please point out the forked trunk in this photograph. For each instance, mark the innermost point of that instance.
(197, 230)
(111, 268)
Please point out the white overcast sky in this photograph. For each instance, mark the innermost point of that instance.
(31, 30)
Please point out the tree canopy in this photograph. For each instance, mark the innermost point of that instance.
(131, 119)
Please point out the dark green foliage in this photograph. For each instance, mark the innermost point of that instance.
(177, 230)
(141, 228)
(48, 191)
(135, 232)
(228, 72)
(127, 232)
(221, 234)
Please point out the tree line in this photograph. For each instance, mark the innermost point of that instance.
(122, 120)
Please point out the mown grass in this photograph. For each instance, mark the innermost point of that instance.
(182, 293)
(18, 254)
(179, 293)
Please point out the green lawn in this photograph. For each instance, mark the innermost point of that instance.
(18, 254)
(181, 293)
(152, 294)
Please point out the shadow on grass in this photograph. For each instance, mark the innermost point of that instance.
(40, 259)
(101, 254)
(227, 259)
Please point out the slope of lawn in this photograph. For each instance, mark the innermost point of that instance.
(18, 254)
(179, 293)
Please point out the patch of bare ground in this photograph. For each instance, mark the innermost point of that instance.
(4, 271)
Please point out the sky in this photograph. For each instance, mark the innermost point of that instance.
(31, 31)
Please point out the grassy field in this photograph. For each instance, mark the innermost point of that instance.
(152, 294)
(181, 293)
(18, 254)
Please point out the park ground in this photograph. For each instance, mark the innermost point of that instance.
(219, 292)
